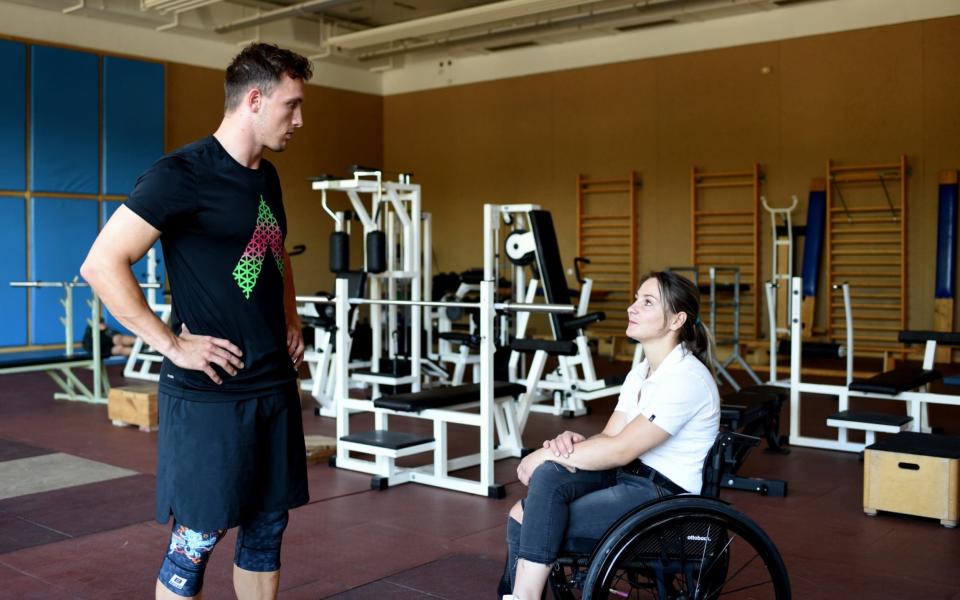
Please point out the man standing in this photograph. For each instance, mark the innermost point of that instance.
(230, 451)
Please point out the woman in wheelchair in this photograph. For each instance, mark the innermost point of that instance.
(654, 443)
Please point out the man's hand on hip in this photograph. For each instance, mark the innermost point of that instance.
(201, 352)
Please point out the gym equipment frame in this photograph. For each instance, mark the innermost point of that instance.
(906, 384)
(60, 366)
(498, 411)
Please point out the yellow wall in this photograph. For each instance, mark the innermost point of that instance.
(856, 97)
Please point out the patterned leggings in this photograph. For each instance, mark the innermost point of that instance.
(257, 549)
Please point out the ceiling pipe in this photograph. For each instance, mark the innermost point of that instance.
(559, 25)
(476, 16)
(310, 6)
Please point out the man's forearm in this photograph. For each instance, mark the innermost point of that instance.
(289, 292)
(120, 292)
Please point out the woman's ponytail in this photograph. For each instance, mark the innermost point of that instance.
(679, 295)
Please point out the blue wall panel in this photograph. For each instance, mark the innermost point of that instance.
(813, 244)
(132, 121)
(13, 116)
(63, 231)
(13, 267)
(64, 120)
(139, 267)
(946, 276)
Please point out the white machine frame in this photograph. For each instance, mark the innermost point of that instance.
(566, 390)
(61, 371)
(495, 415)
(916, 401)
(395, 209)
(445, 354)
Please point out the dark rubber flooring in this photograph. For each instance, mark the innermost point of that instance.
(99, 540)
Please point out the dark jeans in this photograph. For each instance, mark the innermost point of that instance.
(571, 511)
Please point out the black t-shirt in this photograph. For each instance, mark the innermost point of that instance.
(222, 230)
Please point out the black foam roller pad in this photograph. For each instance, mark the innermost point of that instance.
(376, 252)
(339, 252)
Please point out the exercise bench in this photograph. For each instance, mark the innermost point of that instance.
(442, 406)
(755, 411)
(909, 383)
(59, 365)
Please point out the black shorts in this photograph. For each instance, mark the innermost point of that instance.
(218, 462)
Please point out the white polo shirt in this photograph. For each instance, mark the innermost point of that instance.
(681, 398)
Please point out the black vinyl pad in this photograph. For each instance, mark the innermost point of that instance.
(445, 396)
(944, 338)
(553, 279)
(394, 440)
(878, 418)
(902, 379)
(562, 348)
(13, 361)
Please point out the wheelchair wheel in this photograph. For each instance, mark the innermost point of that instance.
(686, 549)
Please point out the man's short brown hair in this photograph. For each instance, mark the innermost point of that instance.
(262, 66)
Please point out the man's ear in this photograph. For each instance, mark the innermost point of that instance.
(253, 100)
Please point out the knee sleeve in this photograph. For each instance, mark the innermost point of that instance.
(186, 560)
(258, 542)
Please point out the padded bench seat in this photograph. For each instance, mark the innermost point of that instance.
(445, 397)
(393, 440)
(942, 338)
(554, 347)
(851, 418)
(815, 349)
(869, 422)
(33, 359)
(902, 379)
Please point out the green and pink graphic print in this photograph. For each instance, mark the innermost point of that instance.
(266, 236)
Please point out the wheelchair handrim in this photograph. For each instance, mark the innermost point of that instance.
(601, 576)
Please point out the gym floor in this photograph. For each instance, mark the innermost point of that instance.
(99, 539)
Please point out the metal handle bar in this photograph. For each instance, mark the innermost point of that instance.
(509, 306)
(781, 209)
(64, 284)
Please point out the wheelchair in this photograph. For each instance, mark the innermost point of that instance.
(682, 547)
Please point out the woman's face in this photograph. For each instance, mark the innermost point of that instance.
(646, 315)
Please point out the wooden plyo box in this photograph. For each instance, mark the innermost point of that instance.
(133, 405)
(914, 474)
(319, 447)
